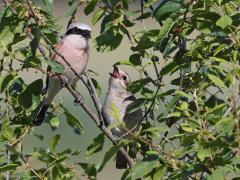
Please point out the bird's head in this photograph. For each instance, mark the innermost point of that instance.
(80, 29)
(119, 79)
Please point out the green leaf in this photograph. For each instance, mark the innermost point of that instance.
(135, 59)
(115, 112)
(108, 40)
(216, 80)
(218, 59)
(97, 16)
(150, 3)
(136, 105)
(147, 93)
(144, 16)
(125, 175)
(220, 48)
(109, 154)
(31, 94)
(56, 67)
(124, 62)
(96, 145)
(58, 161)
(167, 8)
(165, 29)
(155, 131)
(76, 152)
(160, 173)
(90, 7)
(187, 128)
(219, 174)
(203, 153)
(73, 122)
(136, 86)
(35, 41)
(224, 21)
(39, 136)
(72, 9)
(226, 125)
(141, 169)
(12, 150)
(5, 80)
(49, 5)
(170, 67)
(6, 131)
(147, 40)
(179, 92)
(97, 86)
(54, 122)
(54, 141)
(9, 167)
(217, 109)
(89, 169)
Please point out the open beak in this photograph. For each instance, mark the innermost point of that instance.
(115, 73)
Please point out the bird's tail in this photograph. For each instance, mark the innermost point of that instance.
(50, 92)
(40, 114)
(121, 162)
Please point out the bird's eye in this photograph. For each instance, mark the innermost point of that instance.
(125, 78)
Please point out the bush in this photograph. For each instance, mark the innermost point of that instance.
(191, 125)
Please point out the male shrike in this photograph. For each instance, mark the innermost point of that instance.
(74, 46)
(123, 100)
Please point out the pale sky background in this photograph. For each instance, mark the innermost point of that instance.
(102, 64)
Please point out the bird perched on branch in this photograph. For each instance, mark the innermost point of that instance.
(74, 47)
(117, 103)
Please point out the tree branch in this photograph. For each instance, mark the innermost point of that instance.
(93, 93)
(74, 93)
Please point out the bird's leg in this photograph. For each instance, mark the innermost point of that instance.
(64, 81)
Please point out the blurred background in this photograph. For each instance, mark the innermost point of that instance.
(100, 63)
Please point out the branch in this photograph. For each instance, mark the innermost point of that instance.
(17, 141)
(8, 162)
(77, 97)
(74, 93)
(93, 93)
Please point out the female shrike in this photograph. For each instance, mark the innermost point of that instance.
(123, 100)
(74, 46)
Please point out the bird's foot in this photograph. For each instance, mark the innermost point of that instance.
(64, 81)
(79, 100)
(117, 140)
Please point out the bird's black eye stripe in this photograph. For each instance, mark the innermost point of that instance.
(75, 30)
(125, 78)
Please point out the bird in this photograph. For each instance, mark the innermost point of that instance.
(74, 47)
(118, 97)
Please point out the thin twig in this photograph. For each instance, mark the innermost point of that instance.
(8, 162)
(15, 143)
(28, 165)
(144, 116)
(94, 96)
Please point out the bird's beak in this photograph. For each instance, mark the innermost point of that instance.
(115, 73)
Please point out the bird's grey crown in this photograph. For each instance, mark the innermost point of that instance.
(79, 25)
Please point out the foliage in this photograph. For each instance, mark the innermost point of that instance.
(191, 100)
